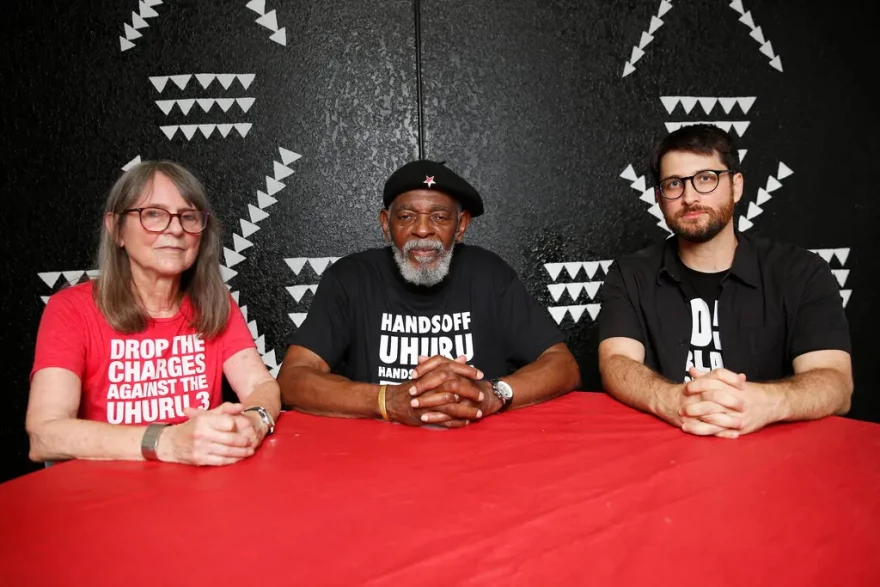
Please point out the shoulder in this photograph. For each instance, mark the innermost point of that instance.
(644, 261)
(791, 272)
(481, 266)
(477, 256)
(356, 263)
(74, 297)
(72, 310)
(358, 270)
(786, 260)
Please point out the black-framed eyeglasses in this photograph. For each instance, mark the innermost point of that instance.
(159, 219)
(704, 182)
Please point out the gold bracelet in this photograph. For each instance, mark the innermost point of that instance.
(382, 409)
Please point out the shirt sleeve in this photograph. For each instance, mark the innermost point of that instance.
(61, 338)
(236, 336)
(325, 330)
(618, 316)
(528, 329)
(819, 322)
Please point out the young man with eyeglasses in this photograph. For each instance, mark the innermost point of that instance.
(426, 331)
(714, 331)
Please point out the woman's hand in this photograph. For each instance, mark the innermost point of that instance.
(220, 436)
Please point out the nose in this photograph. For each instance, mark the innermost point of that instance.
(690, 195)
(175, 227)
(422, 227)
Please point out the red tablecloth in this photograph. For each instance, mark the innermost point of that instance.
(577, 491)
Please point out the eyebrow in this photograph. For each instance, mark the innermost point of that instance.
(167, 209)
(436, 208)
(694, 174)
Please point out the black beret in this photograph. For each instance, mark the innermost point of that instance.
(432, 175)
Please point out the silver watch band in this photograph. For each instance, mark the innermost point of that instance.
(264, 416)
(150, 441)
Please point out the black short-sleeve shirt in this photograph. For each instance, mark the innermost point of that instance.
(777, 302)
(370, 325)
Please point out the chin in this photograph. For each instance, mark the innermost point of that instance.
(172, 271)
(420, 268)
(423, 264)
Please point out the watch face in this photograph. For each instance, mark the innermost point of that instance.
(504, 390)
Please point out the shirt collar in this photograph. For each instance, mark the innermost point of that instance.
(670, 265)
(745, 261)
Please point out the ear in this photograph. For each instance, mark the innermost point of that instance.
(737, 187)
(383, 222)
(111, 222)
(463, 221)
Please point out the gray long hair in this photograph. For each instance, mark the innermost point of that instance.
(202, 282)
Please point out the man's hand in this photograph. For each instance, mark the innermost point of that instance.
(723, 398)
(209, 437)
(449, 414)
(442, 391)
(669, 403)
(432, 372)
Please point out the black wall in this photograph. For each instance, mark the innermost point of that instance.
(526, 99)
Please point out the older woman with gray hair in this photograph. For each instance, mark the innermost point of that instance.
(130, 366)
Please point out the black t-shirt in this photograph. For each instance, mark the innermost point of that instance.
(370, 325)
(777, 302)
(702, 289)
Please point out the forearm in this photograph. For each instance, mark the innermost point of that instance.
(637, 386)
(72, 438)
(810, 395)
(267, 395)
(312, 391)
(551, 375)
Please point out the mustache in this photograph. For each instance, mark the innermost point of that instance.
(690, 209)
(422, 243)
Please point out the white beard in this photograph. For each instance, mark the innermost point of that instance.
(424, 275)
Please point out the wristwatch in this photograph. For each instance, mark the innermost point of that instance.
(150, 441)
(264, 416)
(502, 391)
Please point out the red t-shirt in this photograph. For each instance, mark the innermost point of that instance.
(149, 376)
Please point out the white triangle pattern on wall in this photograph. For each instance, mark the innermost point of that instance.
(269, 20)
(206, 104)
(297, 265)
(646, 195)
(250, 225)
(755, 32)
(638, 51)
(753, 209)
(837, 259)
(131, 32)
(575, 290)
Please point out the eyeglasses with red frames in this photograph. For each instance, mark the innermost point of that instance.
(159, 219)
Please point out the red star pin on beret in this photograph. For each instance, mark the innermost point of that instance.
(424, 173)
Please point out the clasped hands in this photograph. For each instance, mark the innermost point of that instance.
(720, 403)
(220, 436)
(443, 392)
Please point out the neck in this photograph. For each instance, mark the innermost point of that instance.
(711, 256)
(158, 295)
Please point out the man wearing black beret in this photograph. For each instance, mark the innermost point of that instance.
(427, 330)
